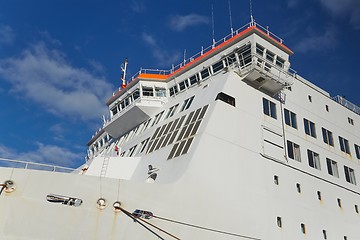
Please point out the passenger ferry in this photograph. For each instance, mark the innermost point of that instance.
(230, 144)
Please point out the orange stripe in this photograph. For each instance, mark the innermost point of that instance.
(152, 76)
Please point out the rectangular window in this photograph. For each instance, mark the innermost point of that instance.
(270, 56)
(194, 79)
(204, 73)
(357, 151)
(351, 121)
(187, 103)
(217, 66)
(171, 111)
(226, 98)
(327, 137)
(280, 62)
(344, 145)
(293, 151)
(173, 90)
(290, 118)
(147, 91)
(269, 108)
(314, 159)
(332, 167)
(350, 175)
(260, 50)
(160, 92)
(309, 128)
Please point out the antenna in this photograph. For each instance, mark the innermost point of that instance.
(231, 25)
(123, 69)
(212, 20)
(251, 15)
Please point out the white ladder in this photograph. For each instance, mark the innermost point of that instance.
(104, 166)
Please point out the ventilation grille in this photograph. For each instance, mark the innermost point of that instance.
(187, 133)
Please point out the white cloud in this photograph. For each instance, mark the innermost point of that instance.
(344, 8)
(46, 154)
(318, 42)
(44, 76)
(179, 23)
(7, 34)
(96, 66)
(163, 57)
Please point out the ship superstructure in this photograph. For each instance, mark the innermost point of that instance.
(230, 144)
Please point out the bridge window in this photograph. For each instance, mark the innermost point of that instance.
(270, 56)
(217, 66)
(205, 73)
(147, 91)
(280, 62)
(194, 79)
(260, 50)
(160, 92)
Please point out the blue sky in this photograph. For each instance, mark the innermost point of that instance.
(60, 60)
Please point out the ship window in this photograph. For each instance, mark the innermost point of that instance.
(351, 121)
(357, 151)
(327, 137)
(136, 94)
(339, 202)
(260, 50)
(280, 62)
(147, 91)
(356, 208)
(345, 238)
(350, 175)
(226, 98)
(217, 66)
(276, 179)
(279, 222)
(114, 111)
(160, 92)
(344, 145)
(309, 128)
(303, 229)
(324, 234)
(205, 73)
(245, 55)
(173, 90)
(269, 108)
(157, 118)
(171, 111)
(187, 103)
(327, 108)
(182, 85)
(270, 56)
(319, 195)
(332, 167)
(314, 159)
(290, 118)
(267, 67)
(310, 98)
(194, 79)
(298, 187)
(293, 151)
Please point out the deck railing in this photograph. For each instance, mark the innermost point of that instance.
(11, 163)
(349, 105)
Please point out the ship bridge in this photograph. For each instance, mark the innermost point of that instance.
(258, 56)
(129, 107)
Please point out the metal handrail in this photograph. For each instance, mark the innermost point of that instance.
(11, 163)
(346, 103)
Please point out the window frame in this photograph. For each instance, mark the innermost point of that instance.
(269, 108)
(314, 159)
(344, 145)
(290, 118)
(310, 128)
(349, 175)
(295, 152)
(332, 167)
(328, 137)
